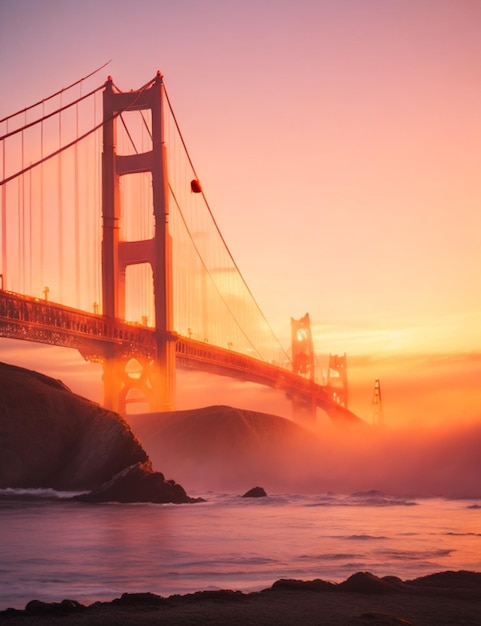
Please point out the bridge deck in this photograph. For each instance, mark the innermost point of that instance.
(97, 337)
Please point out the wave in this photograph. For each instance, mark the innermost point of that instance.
(373, 497)
(364, 537)
(417, 555)
(44, 494)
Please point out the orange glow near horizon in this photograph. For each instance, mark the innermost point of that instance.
(417, 389)
(342, 170)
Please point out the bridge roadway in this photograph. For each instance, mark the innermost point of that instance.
(94, 336)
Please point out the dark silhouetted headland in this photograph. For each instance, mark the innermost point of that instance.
(52, 438)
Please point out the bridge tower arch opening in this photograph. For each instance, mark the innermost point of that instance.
(138, 384)
(158, 380)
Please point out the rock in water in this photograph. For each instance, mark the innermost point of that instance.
(51, 437)
(138, 483)
(255, 492)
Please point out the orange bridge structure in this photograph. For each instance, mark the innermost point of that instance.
(109, 247)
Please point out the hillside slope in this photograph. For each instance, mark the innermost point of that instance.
(221, 447)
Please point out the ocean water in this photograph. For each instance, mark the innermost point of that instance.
(52, 548)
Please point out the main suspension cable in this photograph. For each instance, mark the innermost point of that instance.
(199, 256)
(219, 232)
(49, 115)
(32, 106)
(81, 138)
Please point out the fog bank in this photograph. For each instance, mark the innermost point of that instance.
(222, 448)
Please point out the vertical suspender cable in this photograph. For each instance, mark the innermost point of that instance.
(41, 228)
(19, 245)
(4, 219)
(30, 234)
(21, 251)
(98, 195)
(17, 286)
(85, 250)
(78, 290)
(91, 230)
(59, 208)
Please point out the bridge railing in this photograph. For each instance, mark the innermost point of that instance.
(220, 359)
(33, 319)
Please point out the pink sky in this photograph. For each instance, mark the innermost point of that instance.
(338, 146)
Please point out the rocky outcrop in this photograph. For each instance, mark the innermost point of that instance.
(138, 483)
(364, 599)
(255, 492)
(64, 608)
(50, 437)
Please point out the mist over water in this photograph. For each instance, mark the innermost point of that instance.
(224, 448)
(436, 457)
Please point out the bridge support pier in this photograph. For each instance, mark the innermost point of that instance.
(148, 379)
(112, 380)
(303, 411)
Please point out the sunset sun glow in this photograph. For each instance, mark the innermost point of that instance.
(338, 151)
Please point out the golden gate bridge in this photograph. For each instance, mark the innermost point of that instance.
(109, 247)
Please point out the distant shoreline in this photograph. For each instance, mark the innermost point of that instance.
(443, 598)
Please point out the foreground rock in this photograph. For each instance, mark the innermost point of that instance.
(138, 483)
(445, 598)
(51, 437)
(255, 492)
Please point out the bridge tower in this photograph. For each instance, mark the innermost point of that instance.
(377, 412)
(302, 347)
(303, 362)
(157, 378)
(337, 378)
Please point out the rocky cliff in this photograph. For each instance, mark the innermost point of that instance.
(50, 437)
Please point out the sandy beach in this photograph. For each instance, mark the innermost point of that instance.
(452, 598)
